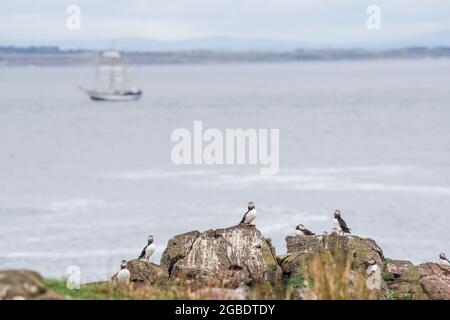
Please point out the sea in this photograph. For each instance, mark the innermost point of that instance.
(83, 183)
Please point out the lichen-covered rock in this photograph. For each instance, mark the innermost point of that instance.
(24, 285)
(398, 267)
(435, 280)
(144, 273)
(404, 282)
(223, 257)
(360, 250)
(422, 282)
(177, 248)
(348, 255)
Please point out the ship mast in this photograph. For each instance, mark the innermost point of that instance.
(110, 65)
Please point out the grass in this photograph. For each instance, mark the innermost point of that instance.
(406, 296)
(297, 281)
(106, 291)
(386, 261)
(337, 281)
(388, 276)
(325, 280)
(392, 295)
(98, 291)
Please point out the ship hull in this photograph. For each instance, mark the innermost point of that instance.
(100, 96)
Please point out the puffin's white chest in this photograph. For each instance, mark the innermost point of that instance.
(338, 226)
(250, 216)
(299, 232)
(372, 269)
(123, 277)
(150, 250)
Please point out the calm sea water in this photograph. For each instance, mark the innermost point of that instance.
(83, 183)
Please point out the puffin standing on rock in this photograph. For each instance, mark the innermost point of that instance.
(123, 277)
(340, 223)
(148, 250)
(300, 230)
(443, 259)
(250, 215)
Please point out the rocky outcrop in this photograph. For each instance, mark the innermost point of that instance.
(223, 257)
(239, 263)
(340, 256)
(426, 281)
(358, 249)
(435, 280)
(397, 268)
(144, 273)
(339, 248)
(24, 285)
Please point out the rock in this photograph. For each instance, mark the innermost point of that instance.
(177, 248)
(358, 249)
(144, 273)
(398, 267)
(426, 281)
(405, 283)
(337, 256)
(435, 280)
(223, 257)
(24, 285)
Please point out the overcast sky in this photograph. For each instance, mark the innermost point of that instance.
(315, 20)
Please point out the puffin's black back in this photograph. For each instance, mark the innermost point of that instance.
(343, 225)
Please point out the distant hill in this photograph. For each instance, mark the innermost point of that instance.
(138, 44)
(55, 56)
(434, 39)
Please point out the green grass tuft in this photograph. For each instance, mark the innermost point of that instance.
(392, 295)
(386, 261)
(296, 281)
(98, 291)
(388, 276)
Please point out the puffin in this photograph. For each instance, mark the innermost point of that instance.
(340, 223)
(250, 215)
(123, 277)
(443, 259)
(371, 266)
(300, 230)
(148, 250)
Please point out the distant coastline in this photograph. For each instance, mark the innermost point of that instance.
(53, 55)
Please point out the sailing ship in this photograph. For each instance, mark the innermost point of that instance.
(112, 82)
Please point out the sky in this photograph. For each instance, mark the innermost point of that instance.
(173, 20)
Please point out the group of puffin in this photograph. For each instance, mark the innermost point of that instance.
(300, 230)
(123, 277)
(341, 228)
